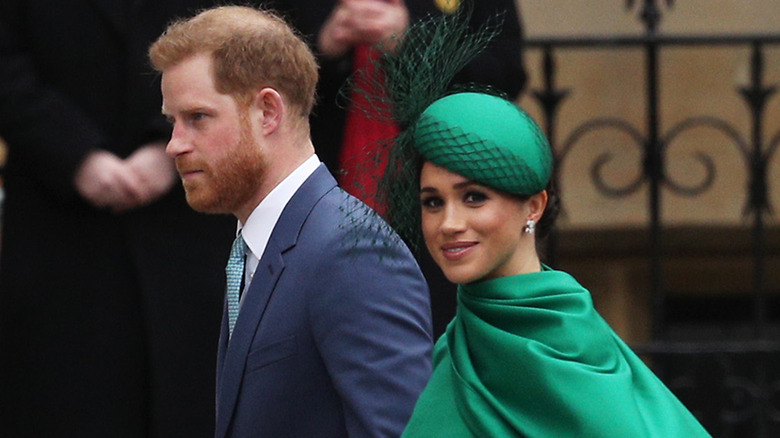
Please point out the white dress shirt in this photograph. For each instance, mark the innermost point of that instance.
(261, 222)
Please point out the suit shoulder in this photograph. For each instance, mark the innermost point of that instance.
(343, 221)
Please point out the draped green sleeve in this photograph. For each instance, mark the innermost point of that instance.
(529, 356)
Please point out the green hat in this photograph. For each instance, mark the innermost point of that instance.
(487, 139)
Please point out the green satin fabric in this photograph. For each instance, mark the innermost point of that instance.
(529, 356)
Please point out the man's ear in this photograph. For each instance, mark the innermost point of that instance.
(270, 110)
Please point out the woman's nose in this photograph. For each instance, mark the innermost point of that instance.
(452, 220)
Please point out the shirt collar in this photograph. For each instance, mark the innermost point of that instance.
(261, 222)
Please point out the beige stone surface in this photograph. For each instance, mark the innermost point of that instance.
(695, 81)
(566, 17)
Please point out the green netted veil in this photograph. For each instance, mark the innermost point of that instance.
(470, 129)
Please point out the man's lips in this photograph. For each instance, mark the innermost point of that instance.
(456, 250)
(188, 172)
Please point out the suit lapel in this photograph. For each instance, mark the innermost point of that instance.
(254, 304)
(233, 354)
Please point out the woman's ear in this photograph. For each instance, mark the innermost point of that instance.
(269, 110)
(536, 205)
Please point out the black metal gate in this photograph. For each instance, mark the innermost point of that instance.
(732, 383)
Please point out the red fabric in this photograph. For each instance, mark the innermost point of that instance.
(365, 130)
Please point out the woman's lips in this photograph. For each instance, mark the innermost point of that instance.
(456, 250)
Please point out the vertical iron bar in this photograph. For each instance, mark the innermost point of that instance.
(549, 114)
(758, 190)
(653, 166)
(550, 99)
(654, 171)
(758, 203)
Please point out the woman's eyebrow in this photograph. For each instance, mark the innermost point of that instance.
(467, 183)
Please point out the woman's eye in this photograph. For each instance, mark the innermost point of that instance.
(431, 202)
(475, 198)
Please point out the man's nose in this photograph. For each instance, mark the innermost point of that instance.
(178, 144)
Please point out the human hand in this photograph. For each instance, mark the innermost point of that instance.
(106, 181)
(368, 22)
(376, 21)
(155, 170)
(334, 39)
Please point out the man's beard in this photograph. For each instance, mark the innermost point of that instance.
(232, 181)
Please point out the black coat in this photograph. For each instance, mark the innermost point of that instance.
(108, 322)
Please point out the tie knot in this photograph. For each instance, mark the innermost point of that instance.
(239, 247)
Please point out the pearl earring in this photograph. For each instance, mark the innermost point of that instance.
(530, 226)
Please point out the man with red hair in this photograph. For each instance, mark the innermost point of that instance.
(330, 333)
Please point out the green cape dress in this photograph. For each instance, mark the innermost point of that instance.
(529, 356)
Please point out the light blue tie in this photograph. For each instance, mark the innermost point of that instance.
(235, 273)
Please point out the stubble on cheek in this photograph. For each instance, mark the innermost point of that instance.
(228, 184)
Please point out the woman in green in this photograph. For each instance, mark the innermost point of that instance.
(527, 355)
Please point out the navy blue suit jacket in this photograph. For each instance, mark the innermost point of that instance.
(334, 334)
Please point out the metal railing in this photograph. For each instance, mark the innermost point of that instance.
(732, 386)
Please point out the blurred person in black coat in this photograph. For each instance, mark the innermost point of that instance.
(111, 287)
